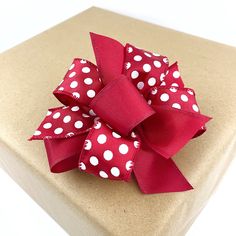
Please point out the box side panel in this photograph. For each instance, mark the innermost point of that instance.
(73, 220)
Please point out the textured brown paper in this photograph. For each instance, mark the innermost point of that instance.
(87, 205)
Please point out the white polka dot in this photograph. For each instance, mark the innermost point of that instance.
(70, 134)
(86, 69)
(97, 125)
(102, 138)
(123, 149)
(149, 102)
(115, 171)
(74, 84)
(190, 92)
(154, 91)
(164, 97)
(115, 135)
(137, 58)
(184, 98)
(127, 65)
(129, 165)
(47, 125)
(147, 54)
(173, 89)
(49, 113)
(72, 74)
(78, 124)
(72, 66)
(61, 89)
(92, 113)
(83, 61)
(67, 119)
(37, 132)
(103, 174)
(87, 144)
(130, 49)
(152, 81)
(75, 108)
(157, 64)
(88, 81)
(156, 54)
(134, 74)
(140, 85)
(91, 93)
(82, 166)
(176, 105)
(56, 115)
(108, 155)
(163, 83)
(176, 74)
(136, 144)
(85, 115)
(76, 94)
(146, 67)
(162, 76)
(58, 130)
(93, 160)
(166, 60)
(133, 135)
(174, 85)
(195, 107)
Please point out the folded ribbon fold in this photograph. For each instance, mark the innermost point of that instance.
(131, 113)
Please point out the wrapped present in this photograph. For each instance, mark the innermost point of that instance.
(85, 204)
(129, 114)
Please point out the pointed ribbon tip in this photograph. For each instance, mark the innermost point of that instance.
(156, 174)
(109, 55)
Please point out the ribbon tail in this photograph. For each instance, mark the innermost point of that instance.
(168, 131)
(63, 154)
(156, 174)
(109, 55)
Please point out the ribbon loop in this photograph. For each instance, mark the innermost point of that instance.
(121, 106)
(80, 84)
(107, 154)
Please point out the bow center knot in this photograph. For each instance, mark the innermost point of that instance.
(121, 106)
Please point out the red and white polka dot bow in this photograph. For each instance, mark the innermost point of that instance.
(130, 113)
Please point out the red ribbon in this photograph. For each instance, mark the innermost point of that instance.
(130, 113)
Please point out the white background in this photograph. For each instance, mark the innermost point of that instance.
(20, 20)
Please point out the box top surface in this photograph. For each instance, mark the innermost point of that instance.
(30, 72)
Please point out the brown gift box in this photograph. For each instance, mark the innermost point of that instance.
(87, 205)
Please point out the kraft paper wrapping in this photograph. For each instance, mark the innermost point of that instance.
(87, 205)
